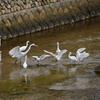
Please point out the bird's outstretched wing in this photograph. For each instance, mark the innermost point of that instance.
(14, 51)
(35, 57)
(84, 55)
(61, 53)
(80, 50)
(49, 53)
(44, 56)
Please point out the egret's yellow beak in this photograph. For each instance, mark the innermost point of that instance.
(36, 45)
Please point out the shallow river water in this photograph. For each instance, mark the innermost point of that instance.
(51, 79)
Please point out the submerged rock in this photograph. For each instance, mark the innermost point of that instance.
(97, 69)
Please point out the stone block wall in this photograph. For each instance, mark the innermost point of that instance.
(9, 6)
(37, 18)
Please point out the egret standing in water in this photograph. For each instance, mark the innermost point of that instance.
(41, 57)
(25, 62)
(58, 53)
(58, 49)
(79, 51)
(24, 47)
(80, 55)
(57, 56)
(83, 55)
(15, 52)
(72, 58)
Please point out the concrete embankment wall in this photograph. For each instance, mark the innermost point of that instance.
(40, 15)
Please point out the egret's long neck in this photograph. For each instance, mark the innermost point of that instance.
(69, 54)
(28, 49)
(26, 44)
(57, 46)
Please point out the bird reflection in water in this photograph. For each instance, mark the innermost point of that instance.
(29, 74)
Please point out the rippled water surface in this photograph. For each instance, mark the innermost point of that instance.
(51, 79)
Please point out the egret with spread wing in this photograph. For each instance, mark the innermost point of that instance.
(80, 55)
(83, 55)
(57, 56)
(15, 52)
(40, 57)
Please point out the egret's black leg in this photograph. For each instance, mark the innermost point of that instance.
(16, 61)
(20, 60)
(38, 64)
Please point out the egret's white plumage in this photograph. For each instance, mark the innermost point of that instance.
(79, 52)
(25, 62)
(24, 47)
(57, 56)
(80, 55)
(58, 49)
(72, 58)
(41, 57)
(83, 55)
(15, 52)
(58, 53)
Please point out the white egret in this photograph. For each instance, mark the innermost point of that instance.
(24, 47)
(83, 55)
(80, 55)
(15, 52)
(72, 58)
(41, 57)
(25, 62)
(78, 52)
(58, 49)
(57, 56)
